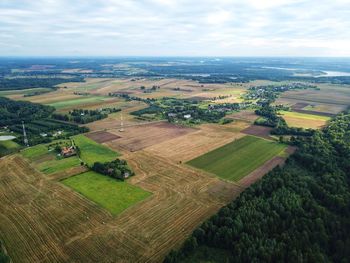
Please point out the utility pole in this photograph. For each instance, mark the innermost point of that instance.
(121, 122)
(25, 139)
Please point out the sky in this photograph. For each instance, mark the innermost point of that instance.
(175, 28)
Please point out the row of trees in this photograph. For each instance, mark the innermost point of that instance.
(34, 82)
(298, 213)
(270, 117)
(117, 169)
(85, 116)
(14, 112)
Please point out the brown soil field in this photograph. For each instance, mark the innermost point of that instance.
(138, 137)
(316, 106)
(300, 107)
(259, 131)
(194, 144)
(337, 96)
(44, 221)
(261, 171)
(102, 136)
(245, 115)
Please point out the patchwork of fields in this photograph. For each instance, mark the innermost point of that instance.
(55, 210)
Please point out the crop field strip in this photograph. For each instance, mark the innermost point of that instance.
(297, 119)
(237, 159)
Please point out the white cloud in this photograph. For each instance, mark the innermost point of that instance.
(175, 27)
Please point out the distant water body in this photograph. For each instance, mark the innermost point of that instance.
(7, 137)
(334, 74)
(325, 73)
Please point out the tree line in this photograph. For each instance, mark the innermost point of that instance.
(34, 82)
(85, 116)
(297, 213)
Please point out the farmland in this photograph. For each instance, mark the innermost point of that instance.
(76, 102)
(296, 119)
(113, 195)
(53, 166)
(237, 159)
(204, 139)
(93, 152)
(58, 211)
(141, 136)
(45, 159)
(67, 226)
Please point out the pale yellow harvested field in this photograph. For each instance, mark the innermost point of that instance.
(44, 221)
(55, 96)
(114, 120)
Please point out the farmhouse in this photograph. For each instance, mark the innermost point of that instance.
(187, 116)
(68, 151)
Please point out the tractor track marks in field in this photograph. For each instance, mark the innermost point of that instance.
(45, 221)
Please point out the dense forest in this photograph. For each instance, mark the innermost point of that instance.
(39, 124)
(298, 213)
(29, 83)
(85, 116)
(14, 112)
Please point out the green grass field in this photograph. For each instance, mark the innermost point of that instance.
(68, 103)
(113, 195)
(57, 165)
(6, 147)
(47, 161)
(91, 151)
(237, 159)
(35, 152)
